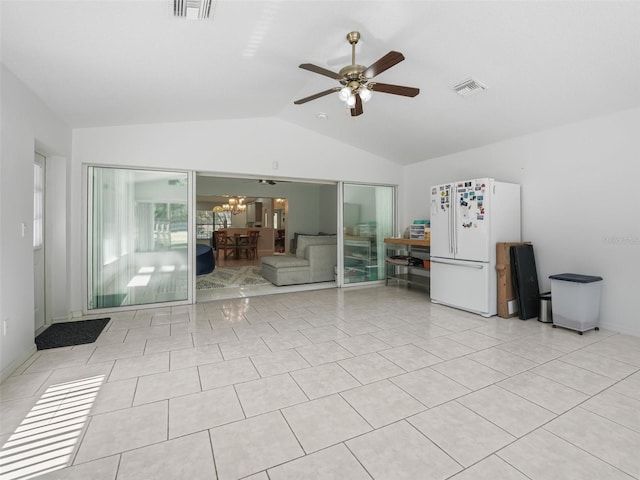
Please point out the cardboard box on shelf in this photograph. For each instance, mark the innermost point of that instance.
(507, 297)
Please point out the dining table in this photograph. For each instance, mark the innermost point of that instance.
(236, 242)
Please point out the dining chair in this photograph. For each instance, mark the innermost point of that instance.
(223, 243)
(279, 241)
(252, 251)
(242, 245)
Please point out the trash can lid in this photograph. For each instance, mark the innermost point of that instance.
(575, 277)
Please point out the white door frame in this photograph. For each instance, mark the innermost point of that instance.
(39, 250)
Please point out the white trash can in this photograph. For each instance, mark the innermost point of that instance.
(576, 301)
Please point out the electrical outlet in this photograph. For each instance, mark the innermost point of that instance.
(274, 165)
(5, 327)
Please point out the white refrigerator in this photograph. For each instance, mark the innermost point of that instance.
(468, 218)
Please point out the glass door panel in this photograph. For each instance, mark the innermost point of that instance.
(368, 217)
(138, 237)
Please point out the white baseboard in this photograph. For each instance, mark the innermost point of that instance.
(625, 330)
(20, 359)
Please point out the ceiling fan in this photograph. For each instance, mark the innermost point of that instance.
(355, 80)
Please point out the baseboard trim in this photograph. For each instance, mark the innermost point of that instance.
(13, 366)
(620, 328)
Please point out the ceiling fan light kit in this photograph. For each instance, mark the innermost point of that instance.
(355, 80)
(344, 93)
(365, 94)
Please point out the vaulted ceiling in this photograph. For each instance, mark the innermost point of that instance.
(545, 63)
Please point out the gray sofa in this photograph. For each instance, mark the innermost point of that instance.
(314, 261)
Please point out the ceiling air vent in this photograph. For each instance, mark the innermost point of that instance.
(468, 87)
(193, 9)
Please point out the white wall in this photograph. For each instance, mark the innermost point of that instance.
(27, 122)
(580, 202)
(56, 235)
(231, 147)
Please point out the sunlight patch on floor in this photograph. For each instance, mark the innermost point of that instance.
(47, 437)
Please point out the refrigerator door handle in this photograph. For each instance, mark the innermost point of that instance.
(454, 224)
(450, 232)
(475, 267)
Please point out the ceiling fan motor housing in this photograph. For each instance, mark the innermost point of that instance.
(353, 76)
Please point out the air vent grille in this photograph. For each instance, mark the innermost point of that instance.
(468, 87)
(193, 9)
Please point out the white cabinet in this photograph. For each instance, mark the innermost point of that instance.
(254, 212)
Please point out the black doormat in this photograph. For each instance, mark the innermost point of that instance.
(67, 334)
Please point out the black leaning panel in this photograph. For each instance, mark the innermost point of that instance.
(525, 280)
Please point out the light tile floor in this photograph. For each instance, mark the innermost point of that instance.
(328, 384)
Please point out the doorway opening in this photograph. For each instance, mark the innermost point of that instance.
(280, 210)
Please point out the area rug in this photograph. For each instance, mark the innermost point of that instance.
(67, 334)
(225, 277)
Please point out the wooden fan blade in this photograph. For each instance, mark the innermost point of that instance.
(357, 109)
(317, 95)
(321, 71)
(386, 62)
(394, 89)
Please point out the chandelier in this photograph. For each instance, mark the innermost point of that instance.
(235, 205)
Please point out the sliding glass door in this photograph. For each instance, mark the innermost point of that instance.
(138, 237)
(368, 218)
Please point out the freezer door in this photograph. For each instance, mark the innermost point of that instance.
(473, 208)
(441, 222)
(464, 285)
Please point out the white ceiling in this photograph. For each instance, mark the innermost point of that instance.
(546, 63)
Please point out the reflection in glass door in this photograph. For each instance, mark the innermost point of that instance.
(368, 218)
(138, 237)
